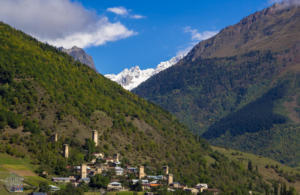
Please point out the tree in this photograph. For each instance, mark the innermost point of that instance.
(99, 181)
(70, 190)
(250, 166)
(44, 187)
(90, 147)
(275, 187)
(137, 187)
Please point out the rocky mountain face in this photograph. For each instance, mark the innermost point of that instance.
(80, 55)
(240, 88)
(273, 28)
(133, 77)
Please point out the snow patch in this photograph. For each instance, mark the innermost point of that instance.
(133, 77)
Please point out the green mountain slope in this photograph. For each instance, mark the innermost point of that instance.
(43, 91)
(239, 84)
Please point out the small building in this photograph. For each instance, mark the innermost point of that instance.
(134, 181)
(192, 190)
(154, 177)
(154, 182)
(54, 188)
(85, 180)
(64, 179)
(97, 170)
(119, 170)
(154, 185)
(201, 186)
(114, 186)
(212, 191)
(98, 155)
(132, 170)
(109, 160)
(145, 181)
(176, 185)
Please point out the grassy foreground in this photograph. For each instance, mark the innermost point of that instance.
(270, 170)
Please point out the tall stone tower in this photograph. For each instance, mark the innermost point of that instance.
(141, 172)
(95, 137)
(170, 179)
(83, 171)
(55, 137)
(66, 150)
(117, 157)
(166, 169)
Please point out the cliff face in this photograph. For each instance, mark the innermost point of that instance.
(80, 55)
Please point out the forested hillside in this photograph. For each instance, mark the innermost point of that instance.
(242, 83)
(43, 91)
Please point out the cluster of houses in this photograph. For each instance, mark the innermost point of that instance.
(113, 164)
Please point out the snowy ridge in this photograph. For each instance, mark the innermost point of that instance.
(133, 77)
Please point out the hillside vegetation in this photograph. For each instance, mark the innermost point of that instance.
(43, 91)
(240, 89)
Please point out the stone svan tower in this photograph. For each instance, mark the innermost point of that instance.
(170, 179)
(83, 171)
(142, 172)
(95, 137)
(66, 150)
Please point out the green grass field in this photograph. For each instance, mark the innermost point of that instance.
(21, 167)
(264, 166)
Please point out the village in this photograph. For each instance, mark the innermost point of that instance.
(134, 176)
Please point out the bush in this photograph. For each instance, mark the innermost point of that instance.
(99, 181)
(30, 126)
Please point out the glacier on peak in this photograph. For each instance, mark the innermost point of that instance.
(133, 77)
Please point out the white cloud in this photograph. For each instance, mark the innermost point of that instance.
(196, 36)
(199, 36)
(137, 16)
(118, 10)
(122, 11)
(104, 32)
(61, 22)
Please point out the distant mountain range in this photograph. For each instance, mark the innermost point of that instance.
(133, 77)
(80, 55)
(240, 88)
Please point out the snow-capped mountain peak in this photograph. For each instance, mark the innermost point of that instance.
(133, 77)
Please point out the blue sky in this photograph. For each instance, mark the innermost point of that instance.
(161, 33)
(120, 34)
